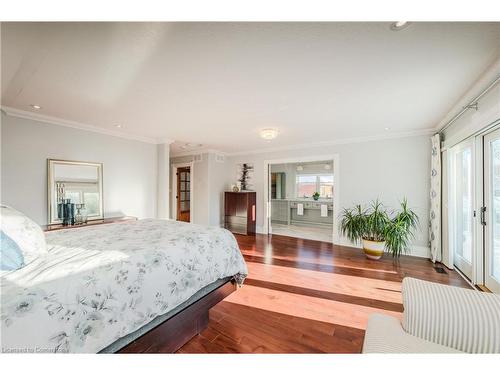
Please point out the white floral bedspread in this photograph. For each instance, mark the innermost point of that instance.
(100, 283)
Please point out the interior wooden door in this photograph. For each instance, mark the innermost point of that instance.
(183, 193)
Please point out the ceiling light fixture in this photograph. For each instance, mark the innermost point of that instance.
(387, 128)
(300, 168)
(399, 25)
(35, 106)
(118, 125)
(269, 133)
(328, 166)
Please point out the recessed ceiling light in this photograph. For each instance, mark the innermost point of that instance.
(118, 126)
(269, 133)
(328, 166)
(300, 168)
(35, 106)
(399, 25)
(192, 145)
(387, 128)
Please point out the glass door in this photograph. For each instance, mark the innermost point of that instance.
(491, 146)
(462, 206)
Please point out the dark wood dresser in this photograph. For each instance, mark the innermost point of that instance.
(240, 212)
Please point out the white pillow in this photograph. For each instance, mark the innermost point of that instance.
(24, 232)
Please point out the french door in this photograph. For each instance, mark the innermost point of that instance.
(474, 208)
(491, 171)
(462, 229)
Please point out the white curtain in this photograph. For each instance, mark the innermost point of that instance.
(435, 195)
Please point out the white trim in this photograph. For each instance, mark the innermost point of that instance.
(380, 137)
(447, 256)
(13, 112)
(198, 151)
(484, 258)
(415, 250)
(336, 186)
(191, 189)
(478, 249)
(460, 261)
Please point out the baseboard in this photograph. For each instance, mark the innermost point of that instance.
(416, 251)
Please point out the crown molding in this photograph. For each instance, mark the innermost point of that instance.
(198, 151)
(9, 111)
(13, 112)
(343, 141)
(164, 141)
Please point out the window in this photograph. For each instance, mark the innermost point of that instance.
(326, 186)
(308, 184)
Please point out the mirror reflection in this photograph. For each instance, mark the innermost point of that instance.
(74, 191)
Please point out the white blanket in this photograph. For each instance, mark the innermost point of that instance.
(100, 283)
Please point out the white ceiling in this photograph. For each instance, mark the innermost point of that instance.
(217, 84)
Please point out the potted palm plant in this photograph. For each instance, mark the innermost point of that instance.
(378, 230)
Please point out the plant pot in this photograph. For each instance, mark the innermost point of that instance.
(373, 249)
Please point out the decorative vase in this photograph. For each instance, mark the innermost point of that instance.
(373, 249)
(68, 213)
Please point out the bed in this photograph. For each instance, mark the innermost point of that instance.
(141, 285)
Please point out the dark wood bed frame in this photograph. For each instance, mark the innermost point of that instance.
(173, 333)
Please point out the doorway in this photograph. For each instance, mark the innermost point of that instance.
(302, 198)
(474, 209)
(183, 194)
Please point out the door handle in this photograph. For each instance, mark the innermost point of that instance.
(483, 215)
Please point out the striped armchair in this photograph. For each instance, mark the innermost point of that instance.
(437, 319)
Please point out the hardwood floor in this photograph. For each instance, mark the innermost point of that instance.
(304, 296)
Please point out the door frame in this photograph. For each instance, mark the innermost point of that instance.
(191, 189)
(479, 246)
(304, 159)
(470, 142)
(480, 267)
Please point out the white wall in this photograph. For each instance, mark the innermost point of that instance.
(473, 121)
(219, 176)
(387, 169)
(163, 195)
(129, 167)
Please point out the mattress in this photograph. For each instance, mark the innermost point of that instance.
(100, 287)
